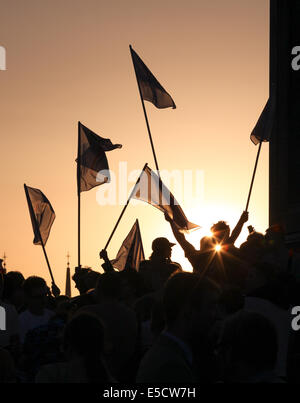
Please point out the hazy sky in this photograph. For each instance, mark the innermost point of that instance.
(68, 60)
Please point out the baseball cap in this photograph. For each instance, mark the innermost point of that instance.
(161, 243)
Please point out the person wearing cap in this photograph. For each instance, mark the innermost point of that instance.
(159, 267)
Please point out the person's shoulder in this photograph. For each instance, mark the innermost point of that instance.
(232, 253)
(164, 362)
(176, 265)
(230, 247)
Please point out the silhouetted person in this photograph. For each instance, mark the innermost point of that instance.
(268, 297)
(159, 267)
(36, 314)
(277, 252)
(133, 285)
(207, 244)
(190, 309)
(221, 230)
(254, 249)
(119, 321)
(86, 281)
(143, 308)
(9, 338)
(13, 292)
(259, 279)
(83, 345)
(7, 367)
(78, 278)
(231, 301)
(248, 349)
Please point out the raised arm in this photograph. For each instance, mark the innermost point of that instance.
(238, 228)
(107, 266)
(180, 238)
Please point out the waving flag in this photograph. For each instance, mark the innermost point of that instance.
(263, 128)
(41, 213)
(92, 159)
(152, 190)
(151, 89)
(131, 252)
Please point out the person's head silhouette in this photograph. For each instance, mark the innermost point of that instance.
(221, 232)
(248, 348)
(275, 236)
(84, 339)
(162, 248)
(207, 244)
(190, 305)
(36, 291)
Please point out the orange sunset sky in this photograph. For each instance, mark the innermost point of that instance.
(68, 60)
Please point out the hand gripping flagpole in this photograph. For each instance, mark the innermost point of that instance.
(253, 176)
(32, 214)
(145, 114)
(126, 205)
(78, 189)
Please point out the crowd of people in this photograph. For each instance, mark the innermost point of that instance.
(228, 321)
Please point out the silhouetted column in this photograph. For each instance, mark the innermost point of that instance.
(68, 278)
(284, 185)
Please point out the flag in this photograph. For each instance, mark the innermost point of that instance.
(41, 213)
(150, 88)
(263, 128)
(131, 252)
(152, 190)
(92, 159)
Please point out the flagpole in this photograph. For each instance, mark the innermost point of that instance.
(145, 114)
(138, 226)
(38, 230)
(125, 207)
(253, 176)
(46, 257)
(78, 190)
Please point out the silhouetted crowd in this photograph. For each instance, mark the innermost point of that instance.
(229, 321)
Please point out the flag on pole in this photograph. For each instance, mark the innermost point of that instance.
(131, 252)
(151, 89)
(41, 213)
(92, 159)
(152, 190)
(263, 128)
